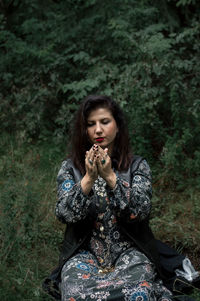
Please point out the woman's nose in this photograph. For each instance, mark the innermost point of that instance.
(98, 128)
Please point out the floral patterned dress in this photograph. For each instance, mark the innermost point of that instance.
(111, 267)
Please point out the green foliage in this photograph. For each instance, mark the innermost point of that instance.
(145, 54)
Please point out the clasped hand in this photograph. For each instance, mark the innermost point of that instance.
(98, 162)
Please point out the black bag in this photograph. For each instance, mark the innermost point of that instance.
(171, 260)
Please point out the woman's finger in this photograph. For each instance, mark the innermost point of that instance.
(91, 157)
(103, 152)
(106, 151)
(100, 151)
(104, 158)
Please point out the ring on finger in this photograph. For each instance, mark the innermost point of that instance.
(103, 161)
(90, 161)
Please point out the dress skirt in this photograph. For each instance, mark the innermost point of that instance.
(133, 278)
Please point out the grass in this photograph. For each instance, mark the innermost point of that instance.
(175, 220)
(30, 234)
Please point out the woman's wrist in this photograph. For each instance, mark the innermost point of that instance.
(86, 184)
(111, 180)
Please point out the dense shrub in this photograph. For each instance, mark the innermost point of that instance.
(148, 60)
(143, 53)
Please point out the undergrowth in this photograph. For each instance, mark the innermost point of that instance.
(30, 235)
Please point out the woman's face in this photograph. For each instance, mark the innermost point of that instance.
(102, 128)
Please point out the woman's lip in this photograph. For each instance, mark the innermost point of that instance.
(99, 139)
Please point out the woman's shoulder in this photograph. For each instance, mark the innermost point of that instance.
(135, 162)
(67, 163)
(68, 166)
(140, 165)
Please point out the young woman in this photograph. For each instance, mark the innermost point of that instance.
(104, 197)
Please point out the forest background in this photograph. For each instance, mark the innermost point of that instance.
(146, 55)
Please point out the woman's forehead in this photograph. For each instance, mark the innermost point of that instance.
(99, 113)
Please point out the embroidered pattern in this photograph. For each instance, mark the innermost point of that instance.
(135, 197)
(111, 267)
(67, 185)
(128, 281)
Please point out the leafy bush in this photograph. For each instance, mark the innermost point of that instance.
(143, 53)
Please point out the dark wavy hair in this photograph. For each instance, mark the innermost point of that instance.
(121, 156)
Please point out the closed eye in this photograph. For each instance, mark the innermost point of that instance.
(90, 124)
(103, 121)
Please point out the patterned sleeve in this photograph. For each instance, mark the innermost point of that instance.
(134, 198)
(72, 204)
